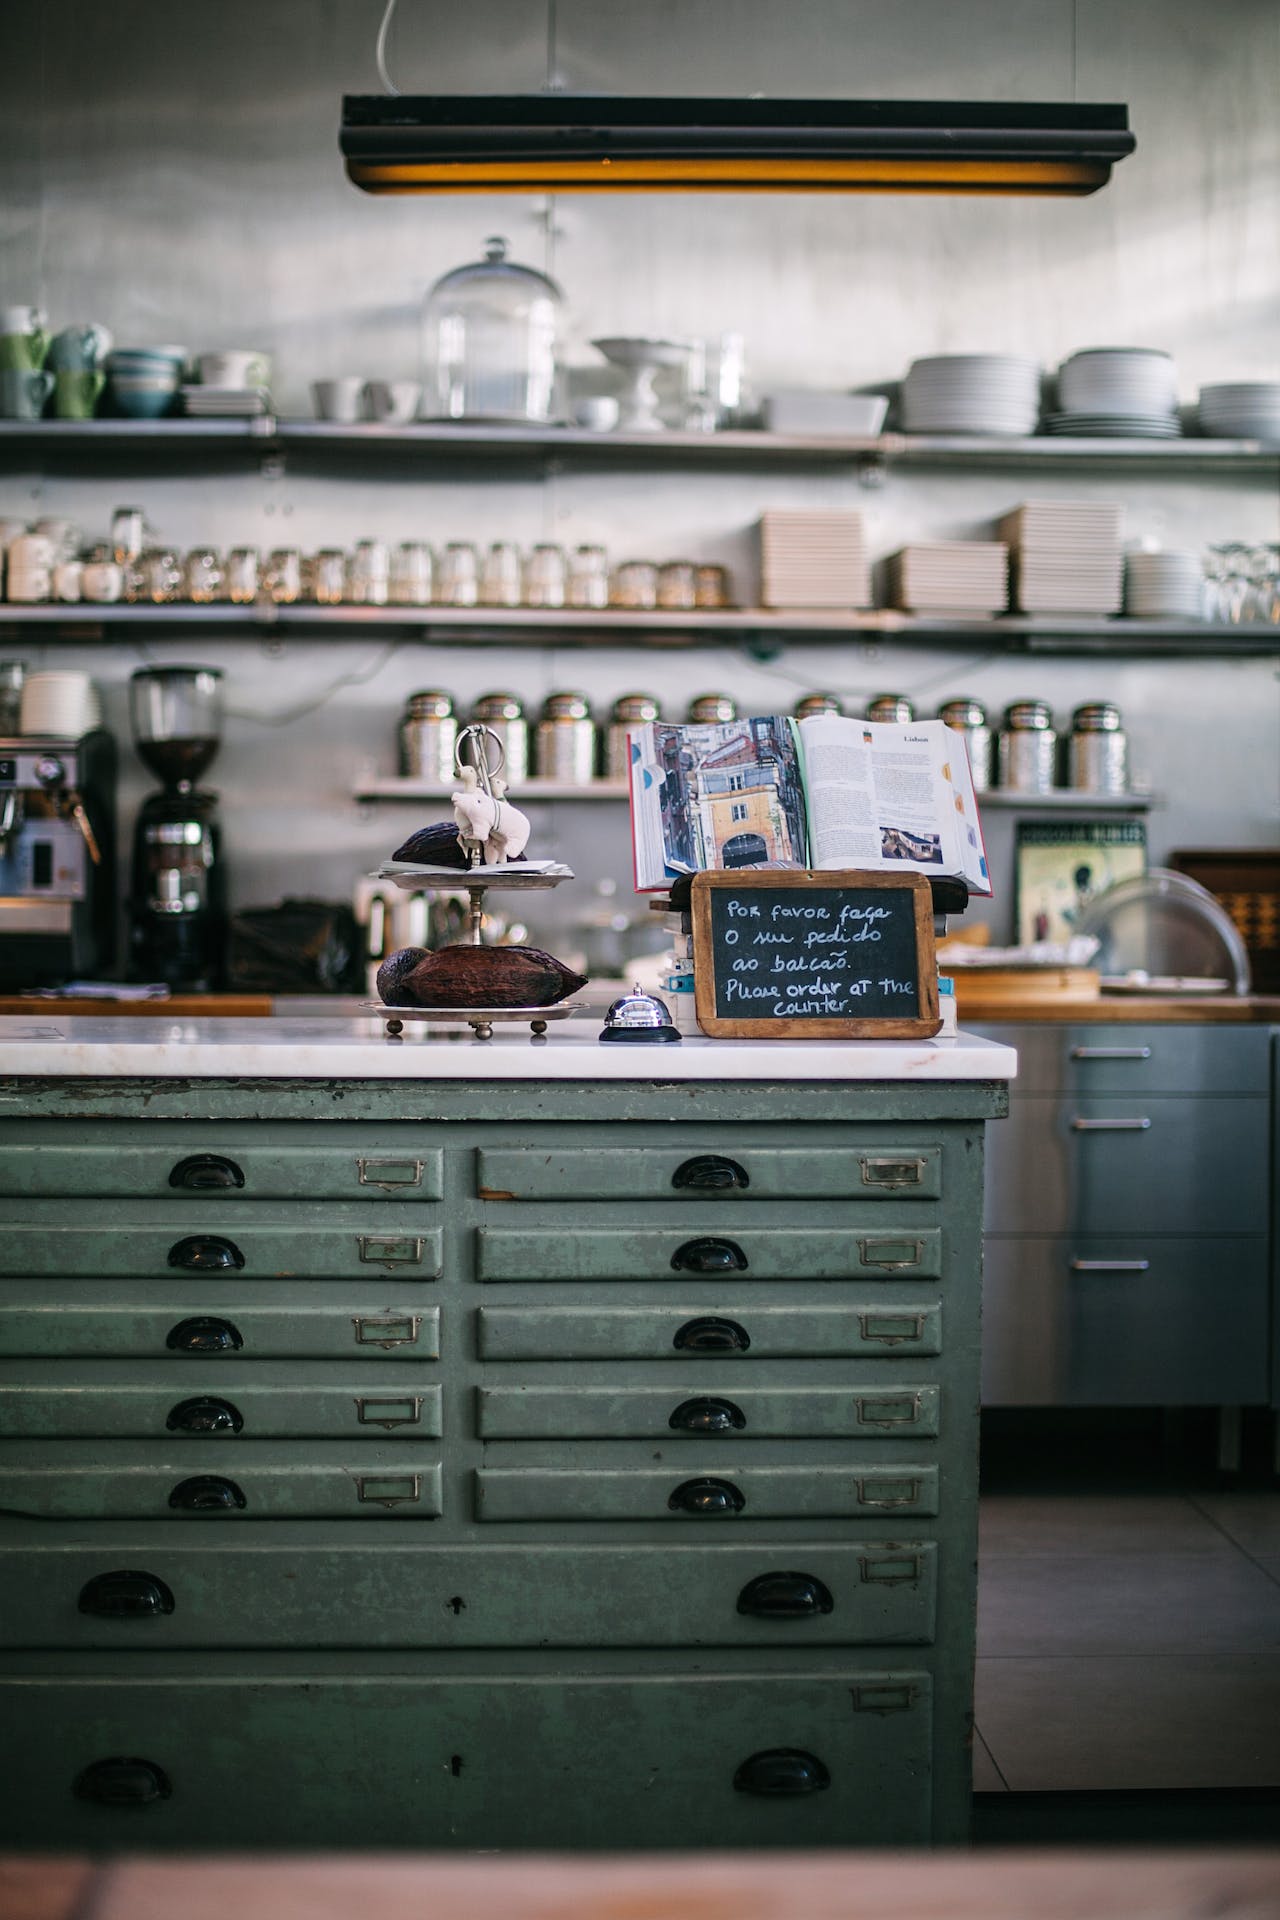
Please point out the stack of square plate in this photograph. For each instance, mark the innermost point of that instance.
(1241, 410)
(1066, 556)
(1109, 392)
(971, 393)
(1164, 586)
(221, 403)
(951, 576)
(813, 560)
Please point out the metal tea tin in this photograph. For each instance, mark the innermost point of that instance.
(894, 707)
(503, 714)
(630, 710)
(816, 703)
(428, 732)
(566, 740)
(1028, 748)
(969, 717)
(713, 709)
(1098, 749)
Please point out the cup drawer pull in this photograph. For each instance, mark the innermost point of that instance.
(403, 1412)
(885, 1494)
(781, 1771)
(883, 1410)
(389, 1489)
(709, 1335)
(206, 1173)
(1110, 1266)
(389, 1173)
(205, 1416)
(206, 1253)
(785, 1596)
(125, 1595)
(390, 1250)
(891, 1256)
(207, 1493)
(711, 1173)
(707, 1496)
(890, 1570)
(119, 1782)
(708, 1416)
(884, 1696)
(891, 1329)
(398, 1330)
(707, 1255)
(1110, 1053)
(203, 1335)
(1136, 1125)
(891, 1172)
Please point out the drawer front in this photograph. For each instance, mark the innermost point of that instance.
(393, 1759)
(204, 1482)
(224, 1166)
(1122, 1320)
(102, 1319)
(707, 1409)
(730, 1329)
(48, 1399)
(714, 1491)
(580, 1252)
(696, 1169)
(217, 1250)
(1159, 1165)
(187, 1590)
(1116, 1057)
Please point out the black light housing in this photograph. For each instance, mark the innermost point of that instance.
(555, 143)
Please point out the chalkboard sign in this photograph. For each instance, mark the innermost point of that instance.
(814, 956)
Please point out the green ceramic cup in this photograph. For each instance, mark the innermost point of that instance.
(76, 394)
(23, 394)
(22, 352)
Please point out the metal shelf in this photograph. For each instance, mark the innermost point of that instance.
(1064, 800)
(407, 787)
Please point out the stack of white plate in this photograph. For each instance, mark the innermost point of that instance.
(1131, 392)
(813, 560)
(1241, 410)
(219, 403)
(971, 393)
(1066, 556)
(60, 705)
(951, 576)
(1164, 586)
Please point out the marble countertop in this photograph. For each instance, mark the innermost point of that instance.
(333, 1046)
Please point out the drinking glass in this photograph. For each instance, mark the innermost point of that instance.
(544, 576)
(203, 572)
(283, 576)
(369, 574)
(500, 580)
(329, 576)
(677, 589)
(589, 578)
(412, 574)
(126, 534)
(459, 582)
(635, 585)
(240, 582)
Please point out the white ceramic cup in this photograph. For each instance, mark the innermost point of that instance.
(598, 411)
(58, 703)
(101, 581)
(338, 399)
(67, 580)
(236, 367)
(21, 319)
(31, 550)
(28, 584)
(393, 402)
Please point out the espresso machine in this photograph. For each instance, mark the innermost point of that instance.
(57, 858)
(177, 911)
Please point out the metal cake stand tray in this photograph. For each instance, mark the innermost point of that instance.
(481, 1020)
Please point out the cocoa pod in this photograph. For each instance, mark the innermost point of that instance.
(392, 990)
(435, 846)
(489, 977)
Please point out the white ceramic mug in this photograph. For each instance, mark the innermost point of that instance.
(338, 399)
(29, 551)
(101, 581)
(236, 367)
(21, 319)
(28, 584)
(67, 580)
(393, 402)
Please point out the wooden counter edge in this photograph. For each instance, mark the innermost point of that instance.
(1227, 1009)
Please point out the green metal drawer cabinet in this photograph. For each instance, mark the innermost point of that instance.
(499, 1464)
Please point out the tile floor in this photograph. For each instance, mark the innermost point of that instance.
(1128, 1641)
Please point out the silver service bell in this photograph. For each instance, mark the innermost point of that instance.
(639, 1016)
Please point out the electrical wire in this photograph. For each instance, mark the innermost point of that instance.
(380, 49)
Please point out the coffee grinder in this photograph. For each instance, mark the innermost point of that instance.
(177, 904)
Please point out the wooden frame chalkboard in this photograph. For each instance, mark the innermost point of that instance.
(804, 955)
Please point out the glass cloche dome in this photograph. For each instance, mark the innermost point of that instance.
(490, 342)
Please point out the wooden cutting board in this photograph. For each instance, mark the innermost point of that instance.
(179, 1006)
(987, 989)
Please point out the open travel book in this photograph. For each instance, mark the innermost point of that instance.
(823, 792)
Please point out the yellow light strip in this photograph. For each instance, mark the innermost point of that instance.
(904, 175)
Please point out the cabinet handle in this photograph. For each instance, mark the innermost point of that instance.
(785, 1596)
(204, 1416)
(708, 1416)
(707, 1496)
(709, 1256)
(709, 1335)
(710, 1173)
(1110, 1266)
(201, 1335)
(1110, 1053)
(202, 1172)
(389, 1173)
(125, 1595)
(897, 1172)
(891, 1255)
(206, 1493)
(206, 1253)
(1109, 1126)
(781, 1771)
(891, 1329)
(118, 1782)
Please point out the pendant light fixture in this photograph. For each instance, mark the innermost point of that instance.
(556, 142)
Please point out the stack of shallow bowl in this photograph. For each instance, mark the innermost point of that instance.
(1066, 556)
(1164, 586)
(972, 393)
(951, 576)
(813, 559)
(1241, 410)
(1110, 392)
(143, 381)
